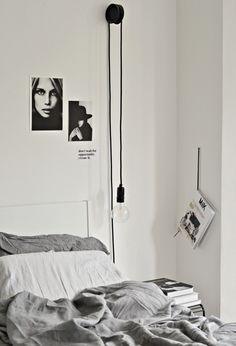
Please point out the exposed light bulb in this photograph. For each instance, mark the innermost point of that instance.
(120, 213)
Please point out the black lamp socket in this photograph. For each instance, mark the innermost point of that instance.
(120, 197)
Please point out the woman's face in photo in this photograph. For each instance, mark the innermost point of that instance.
(45, 97)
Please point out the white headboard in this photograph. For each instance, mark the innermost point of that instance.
(46, 218)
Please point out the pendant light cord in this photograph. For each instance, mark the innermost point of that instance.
(110, 125)
(110, 142)
(121, 98)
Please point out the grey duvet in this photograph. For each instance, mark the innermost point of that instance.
(128, 313)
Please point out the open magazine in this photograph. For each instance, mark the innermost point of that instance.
(197, 219)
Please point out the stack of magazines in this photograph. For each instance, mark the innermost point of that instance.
(181, 293)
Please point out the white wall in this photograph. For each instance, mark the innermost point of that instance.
(199, 92)
(51, 38)
(228, 238)
(68, 39)
(145, 244)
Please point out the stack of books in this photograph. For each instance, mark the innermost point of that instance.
(181, 293)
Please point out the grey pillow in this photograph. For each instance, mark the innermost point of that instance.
(11, 244)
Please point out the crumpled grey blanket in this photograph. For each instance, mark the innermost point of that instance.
(130, 313)
(11, 244)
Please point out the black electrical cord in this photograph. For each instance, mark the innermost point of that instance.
(120, 189)
(110, 141)
(121, 98)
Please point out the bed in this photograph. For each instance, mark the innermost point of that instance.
(65, 290)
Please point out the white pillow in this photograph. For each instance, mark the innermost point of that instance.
(55, 275)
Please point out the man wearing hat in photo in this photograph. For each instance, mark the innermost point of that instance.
(79, 128)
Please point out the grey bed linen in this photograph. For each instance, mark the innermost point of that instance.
(126, 314)
(11, 244)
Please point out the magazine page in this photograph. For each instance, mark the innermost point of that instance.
(173, 288)
(197, 219)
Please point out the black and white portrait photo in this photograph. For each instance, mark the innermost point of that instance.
(79, 128)
(46, 104)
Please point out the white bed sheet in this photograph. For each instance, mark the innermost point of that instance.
(55, 275)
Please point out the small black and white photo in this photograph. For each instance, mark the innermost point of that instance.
(46, 104)
(191, 225)
(80, 122)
